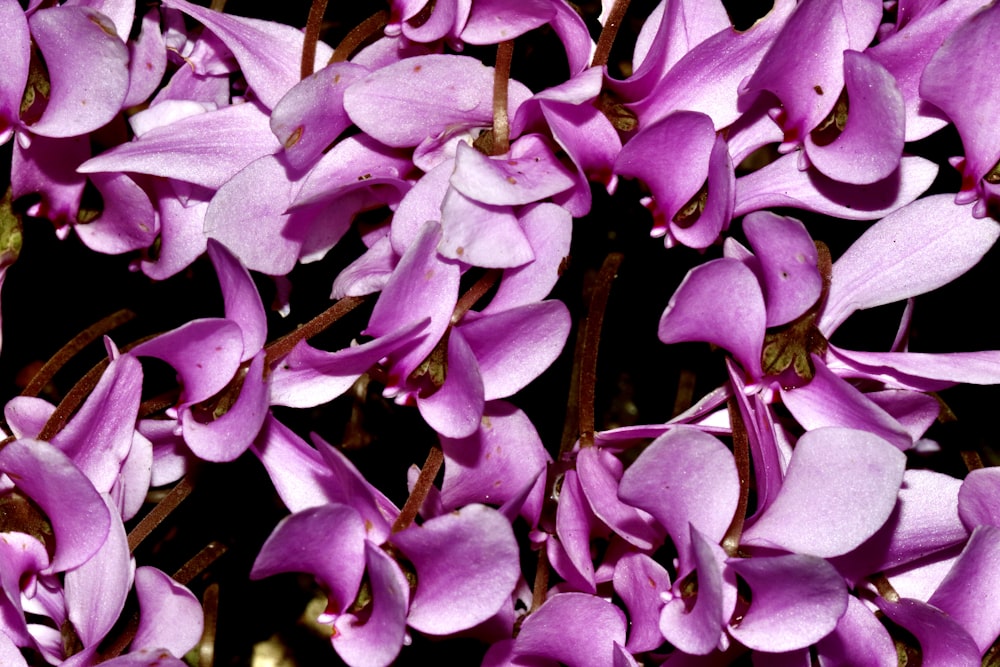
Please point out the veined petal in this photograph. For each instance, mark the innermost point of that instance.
(912, 251)
(127, 222)
(574, 629)
(859, 475)
(481, 234)
(269, 53)
(530, 172)
(88, 68)
(942, 640)
(782, 183)
(719, 302)
(977, 498)
(907, 369)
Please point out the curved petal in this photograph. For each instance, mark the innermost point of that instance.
(327, 542)
(80, 519)
(685, 478)
(374, 637)
(454, 410)
(14, 60)
(640, 582)
(127, 222)
(719, 302)
(225, 437)
(574, 629)
(914, 250)
(977, 498)
(529, 172)
(839, 489)
(88, 67)
(600, 473)
(467, 565)
(788, 264)
(171, 617)
(797, 600)
(495, 21)
(859, 640)
(206, 354)
(269, 53)
(871, 145)
(242, 301)
(942, 640)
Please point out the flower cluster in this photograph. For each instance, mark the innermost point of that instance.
(790, 514)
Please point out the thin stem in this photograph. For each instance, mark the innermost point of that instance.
(685, 392)
(72, 400)
(608, 33)
(741, 452)
(592, 336)
(501, 82)
(313, 24)
(972, 460)
(199, 562)
(161, 511)
(474, 294)
(210, 603)
(316, 325)
(432, 465)
(73, 347)
(541, 587)
(358, 35)
(884, 588)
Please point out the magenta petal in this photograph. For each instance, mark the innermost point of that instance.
(96, 591)
(530, 172)
(242, 301)
(262, 191)
(924, 372)
(600, 472)
(870, 147)
(171, 617)
(48, 167)
(467, 566)
(782, 183)
(421, 286)
(494, 464)
(14, 59)
(829, 400)
(296, 469)
(942, 640)
(147, 60)
(719, 302)
(685, 478)
(374, 639)
(181, 237)
(495, 21)
(207, 149)
(514, 347)
(574, 629)
(311, 115)
(788, 258)
(454, 410)
(99, 436)
(570, 554)
(328, 542)
(308, 377)
(797, 600)
(481, 234)
(977, 498)
(859, 640)
(79, 517)
(127, 222)
(640, 581)
(958, 81)
(229, 435)
(698, 630)
(859, 475)
(88, 68)
(206, 354)
(970, 593)
(269, 54)
(914, 250)
(9, 653)
(406, 102)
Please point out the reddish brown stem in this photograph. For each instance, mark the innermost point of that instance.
(72, 401)
(972, 460)
(420, 490)
(474, 294)
(358, 35)
(741, 452)
(73, 347)
(608, 33)
(541, 586)
(321, 322)
(210, 603)
(161, 511)
(501, 82)
(592, 336)
(313, 24)
(199, 563)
